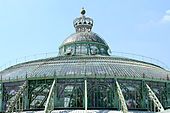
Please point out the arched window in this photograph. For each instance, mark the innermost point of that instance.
(69, 50)
(81, 49)
(102, 50)
(93, 50)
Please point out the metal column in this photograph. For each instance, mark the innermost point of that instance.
(85, 94)
(122, 99)
(49, 106)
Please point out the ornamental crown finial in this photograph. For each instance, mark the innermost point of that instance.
(83, 11)
(83, 23)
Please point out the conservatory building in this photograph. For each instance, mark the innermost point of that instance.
(84, 77)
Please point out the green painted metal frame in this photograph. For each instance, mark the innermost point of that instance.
(74, 45)
(50, 100)
(14, 103)
(85, 95)
(155, 100)
(143, 91)
(121, 98)
(40, 77)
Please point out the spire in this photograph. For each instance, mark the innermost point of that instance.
(83, 23)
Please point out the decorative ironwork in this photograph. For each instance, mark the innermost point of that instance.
(84, 41)
(100, 93)
(132, 93)
(38, 93)
(49, 106)
(74, 93)
(153, 97)
(70, 93)
(16, 103)
(84, 76)
(83, 23)
(121, 97)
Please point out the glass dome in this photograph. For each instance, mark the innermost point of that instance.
(84, 41)
(94, 82)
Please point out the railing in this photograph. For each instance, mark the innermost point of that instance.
(113, 53)
(141, 58)
(28, 58)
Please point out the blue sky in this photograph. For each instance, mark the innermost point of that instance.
(29, 27)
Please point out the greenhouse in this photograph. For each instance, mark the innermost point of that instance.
(84, 77)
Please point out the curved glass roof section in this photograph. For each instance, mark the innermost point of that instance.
(94, 62)
(85, 66)
(84, 37)
(84, 41)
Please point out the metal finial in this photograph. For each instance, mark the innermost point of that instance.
(83, 11)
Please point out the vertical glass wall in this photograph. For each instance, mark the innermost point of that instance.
(83, 49)
(100, 93)
(160, 91)
(168, 95)
(38, 91)
(132, 93)
(9, 91)
(70, 93)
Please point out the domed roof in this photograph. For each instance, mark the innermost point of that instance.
(91, 66)
(84, 37)
(84, 41)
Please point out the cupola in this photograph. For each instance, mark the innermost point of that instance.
(84, 41)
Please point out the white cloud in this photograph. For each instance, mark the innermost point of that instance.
(157, 22)
(166, 17)
(168, 11)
